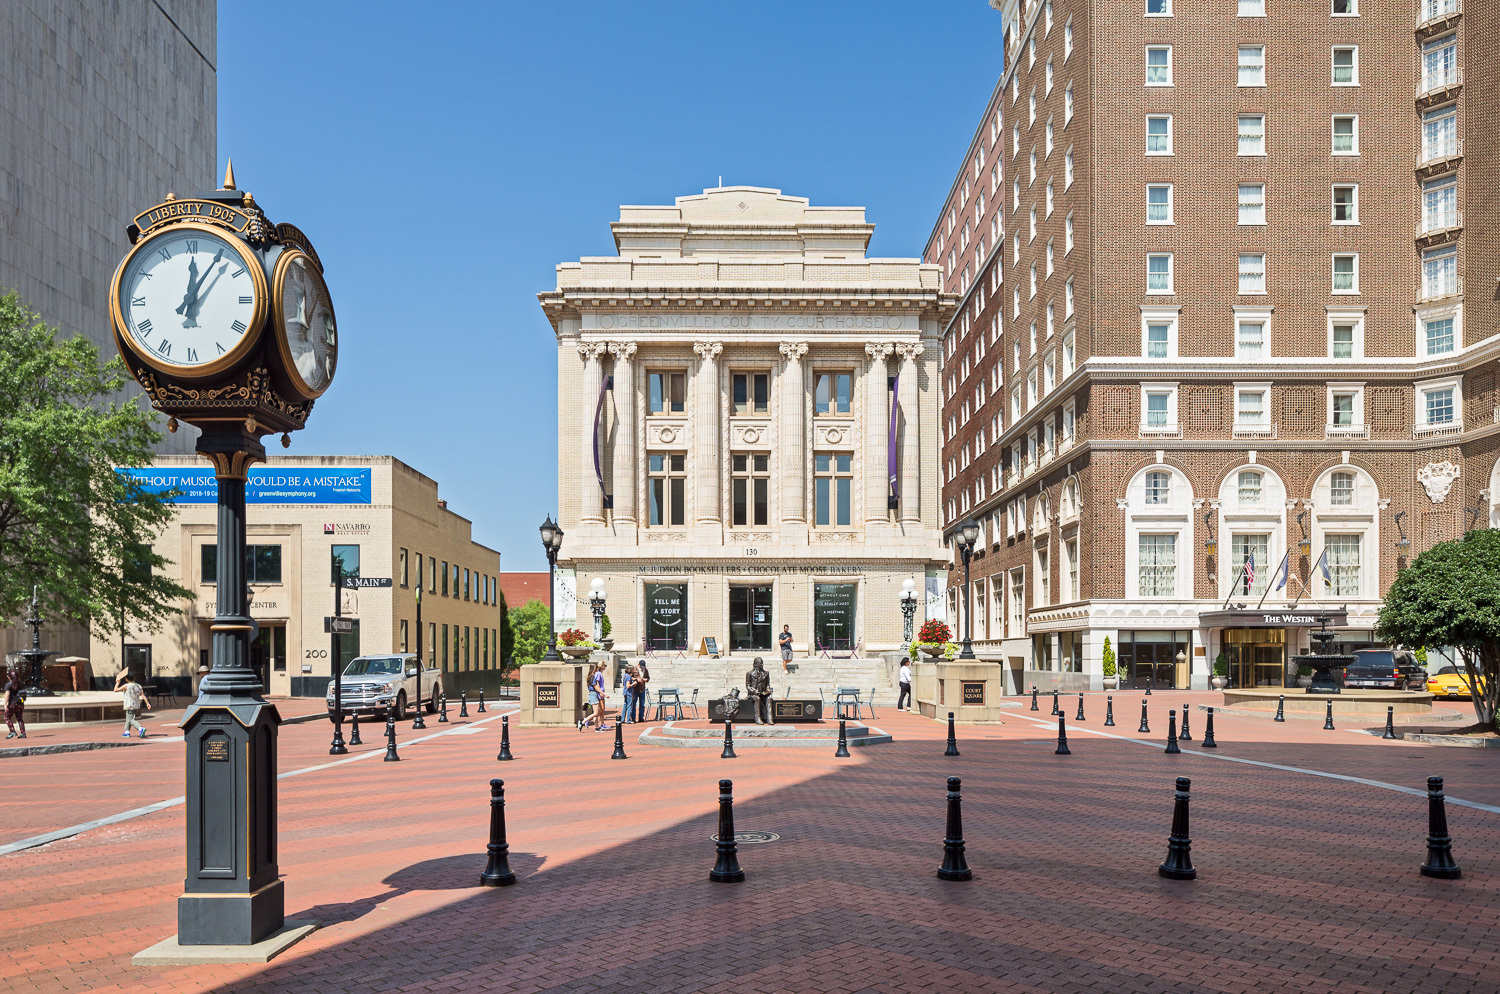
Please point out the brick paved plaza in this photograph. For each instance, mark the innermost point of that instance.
(1305, 883)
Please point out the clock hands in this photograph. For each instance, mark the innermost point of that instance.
(189, 305)
(192, 288)
(197, 304)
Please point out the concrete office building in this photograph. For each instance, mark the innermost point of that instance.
(383, 518)
(747, 426)
(104, 108)
(1214, 321)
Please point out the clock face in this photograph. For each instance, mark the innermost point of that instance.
(309, 333)
(189, 299)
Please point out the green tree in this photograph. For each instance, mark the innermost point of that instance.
(69, 524)
(528, 630)
(1109, 658)
(1450, 595)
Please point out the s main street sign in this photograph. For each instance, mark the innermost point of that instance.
(362, 582)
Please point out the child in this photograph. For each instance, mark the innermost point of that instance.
(135, 696)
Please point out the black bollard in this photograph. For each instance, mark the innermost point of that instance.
(1062, 739)
(1145, 729)
(1179, 864)
(390, 741)
(1390, 723)
(843, 749)
(443, 711)
(954, 867)
(1185, 735)
(1208, 732)
(727, 866)
(463, 703)
(417, 723)
(354, 738)
(1280, 708)
(1440, 862)
(1033, 699)
(481, 700)
(497, 872)
(1148, 690)
(1079, 715)
(1055, 711)
(504, 739)
(1109, 712)
(1328, 721)
(728, 752)
(619, 752)
(952, 749)
(1172, 732)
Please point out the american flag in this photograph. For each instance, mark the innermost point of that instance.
(1249, 570)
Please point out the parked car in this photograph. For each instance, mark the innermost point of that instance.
(1450, 681)
(386, 684)
(1395, 669)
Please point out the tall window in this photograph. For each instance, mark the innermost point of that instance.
(1249, 486)
(1252, 206)
(1043, 577)
(1345, 66)
(1070, 553)
(1345, 8)
(1250, 550)
(1159, 65)
(1159, 134)
(1343, 564)
(833, 480)
(1156, 340)
(1156, 417)
(1067, 350)
(402, 568)
(1159, 272)
(752, 393)
(1440, 204)
(1346, 274)
(832, 393)
(1341, 489)
(1252, 65)
(1068, 298)
(1346, 135)
(1158, 565)
(667, 393)
(1252, 273)
(666, 489)
(1438, 405)
(1439, 335)
(349, 554)
(1440, 63)
(1346, 205)
(1158, 8)
(1250, 342)
(1159, 203)
(1158, 487)
(1341, 407)
(1250, 410)
(1017, 602)
(1252, 8)
(1440, 272)
(751, 486)
(1068, 233)
(1068, 93)
(1252, 134)
(1439, 133)
(1343, 341)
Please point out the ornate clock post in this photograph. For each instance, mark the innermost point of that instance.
(226, 322)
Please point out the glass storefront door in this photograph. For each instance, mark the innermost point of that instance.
(1149, 659)
(1257, 656)
(268, 652)
(749, 618)
(666, 616)
(833, 616)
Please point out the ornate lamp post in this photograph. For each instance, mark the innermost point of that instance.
(908, 607)
(596, 605)
(552, 537)
(966, 538)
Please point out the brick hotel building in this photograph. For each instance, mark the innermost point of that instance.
(1228, 290)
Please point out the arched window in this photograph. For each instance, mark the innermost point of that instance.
(1158, 535)
(1158, 488)
(1249, 486)
(1345, 536)
(1341, 489)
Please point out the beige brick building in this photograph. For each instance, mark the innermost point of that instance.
(383, 517)
(1227, 301)
(748, 426)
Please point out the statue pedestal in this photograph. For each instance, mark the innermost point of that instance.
(971, 688)
(553, 693)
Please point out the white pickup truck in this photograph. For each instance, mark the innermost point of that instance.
(386, 684)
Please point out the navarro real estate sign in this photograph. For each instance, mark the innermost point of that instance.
(263, 485)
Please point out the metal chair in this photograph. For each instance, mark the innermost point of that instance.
(847, 697)
(693, 703)
(668, 698)
(871, 704)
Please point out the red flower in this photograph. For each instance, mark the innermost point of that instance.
(933, 632)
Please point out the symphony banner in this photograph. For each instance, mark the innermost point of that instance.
(263, 485)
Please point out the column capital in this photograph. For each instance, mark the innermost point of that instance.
(910, 350)
(879, 350)
(793, 350)
(591, 350)
(622, 350)
(708, 351)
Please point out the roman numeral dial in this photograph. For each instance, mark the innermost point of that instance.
(191, 300)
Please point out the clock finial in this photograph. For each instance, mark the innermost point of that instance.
(228, 175)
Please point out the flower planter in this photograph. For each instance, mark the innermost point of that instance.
(1219, 682)
(1304, 682)
(1111, 682)
(575, 651)
(935, 651)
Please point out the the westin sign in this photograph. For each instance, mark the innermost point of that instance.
(1335, 618)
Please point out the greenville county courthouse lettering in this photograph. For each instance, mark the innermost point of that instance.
(748, 426)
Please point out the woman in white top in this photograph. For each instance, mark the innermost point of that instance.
(905, 679)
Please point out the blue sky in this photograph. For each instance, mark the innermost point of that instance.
(444, 157)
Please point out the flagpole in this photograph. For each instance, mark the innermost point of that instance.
(1279, 569)
(1232, 587)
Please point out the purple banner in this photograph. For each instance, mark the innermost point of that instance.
(891, 466)
(606, 385)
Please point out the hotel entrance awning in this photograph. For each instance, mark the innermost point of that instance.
(1336, 618)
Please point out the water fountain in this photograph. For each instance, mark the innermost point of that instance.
(33, 658)
(1323, 661)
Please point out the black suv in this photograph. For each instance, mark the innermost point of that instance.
(1385, 668)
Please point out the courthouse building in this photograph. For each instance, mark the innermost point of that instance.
(748, 426)
(1227, 277)
(379, 516)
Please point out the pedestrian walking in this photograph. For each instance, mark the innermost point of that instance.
(905, 681)
(784, 640)
(15, 706)
(628, 688)
(642, 694)
(596, 700)
(135, 699)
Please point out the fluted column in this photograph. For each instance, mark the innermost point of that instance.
(591, 499)
(707, 445)
(877, 424)
(795, 466)
(911, 464)
(624, 449)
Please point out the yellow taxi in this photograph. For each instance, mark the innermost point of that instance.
(1449, 681)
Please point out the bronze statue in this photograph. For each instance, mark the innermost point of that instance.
(758, 687)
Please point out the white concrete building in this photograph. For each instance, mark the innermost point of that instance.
(748, 426)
